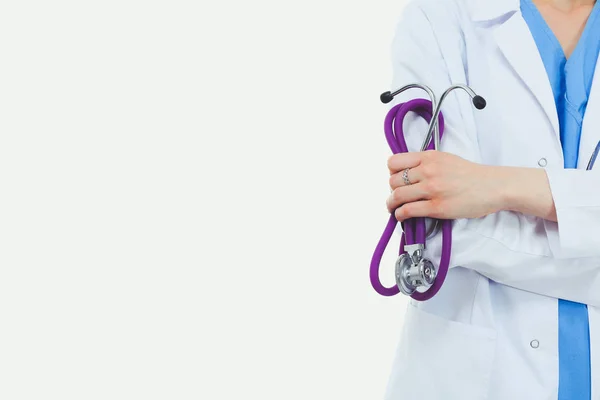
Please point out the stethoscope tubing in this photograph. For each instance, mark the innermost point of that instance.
(414, 230)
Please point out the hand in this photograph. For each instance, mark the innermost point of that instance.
(443, 186)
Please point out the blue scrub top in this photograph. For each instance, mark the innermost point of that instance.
(571, 81)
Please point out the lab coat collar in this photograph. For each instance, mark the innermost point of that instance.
(518, 46)
(486, 10)
(515, 41)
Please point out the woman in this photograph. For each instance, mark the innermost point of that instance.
(519, 314)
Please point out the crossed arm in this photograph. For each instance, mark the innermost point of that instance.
(446, 186)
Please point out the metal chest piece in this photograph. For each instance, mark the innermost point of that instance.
(413, 272)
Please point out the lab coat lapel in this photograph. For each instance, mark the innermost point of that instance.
(519, 48)
(590, 134)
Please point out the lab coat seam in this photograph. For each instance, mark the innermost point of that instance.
(473, 301)
(489, 372)
(437, 42)
(459, 107)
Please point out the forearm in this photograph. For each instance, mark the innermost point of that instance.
(516, 256)
(524, 190)
(567, 199)
(441, 185)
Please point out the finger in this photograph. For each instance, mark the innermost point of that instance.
(422, 208)
(414, 176)
(401, 161)
(405, 194)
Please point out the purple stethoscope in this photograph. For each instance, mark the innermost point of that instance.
(416, 276)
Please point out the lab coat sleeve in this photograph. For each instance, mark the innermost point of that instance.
(576, 194)
(509, 248)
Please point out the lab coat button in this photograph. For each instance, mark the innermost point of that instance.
(542, 162)
(534, 344)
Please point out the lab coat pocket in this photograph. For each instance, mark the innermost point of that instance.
(441, 359)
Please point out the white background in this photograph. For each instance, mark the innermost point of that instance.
(190, 195)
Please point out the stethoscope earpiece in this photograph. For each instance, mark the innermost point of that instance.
(479, 102)
(386, 97)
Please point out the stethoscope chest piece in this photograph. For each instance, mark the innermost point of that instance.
(414, 272)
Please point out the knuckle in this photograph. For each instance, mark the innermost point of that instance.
(429, 170)
(434, 186)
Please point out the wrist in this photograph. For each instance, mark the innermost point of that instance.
(523, 190)
(507, 183)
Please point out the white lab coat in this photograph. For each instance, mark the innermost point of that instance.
(492, 331)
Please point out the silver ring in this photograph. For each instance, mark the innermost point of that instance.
(405, 177)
